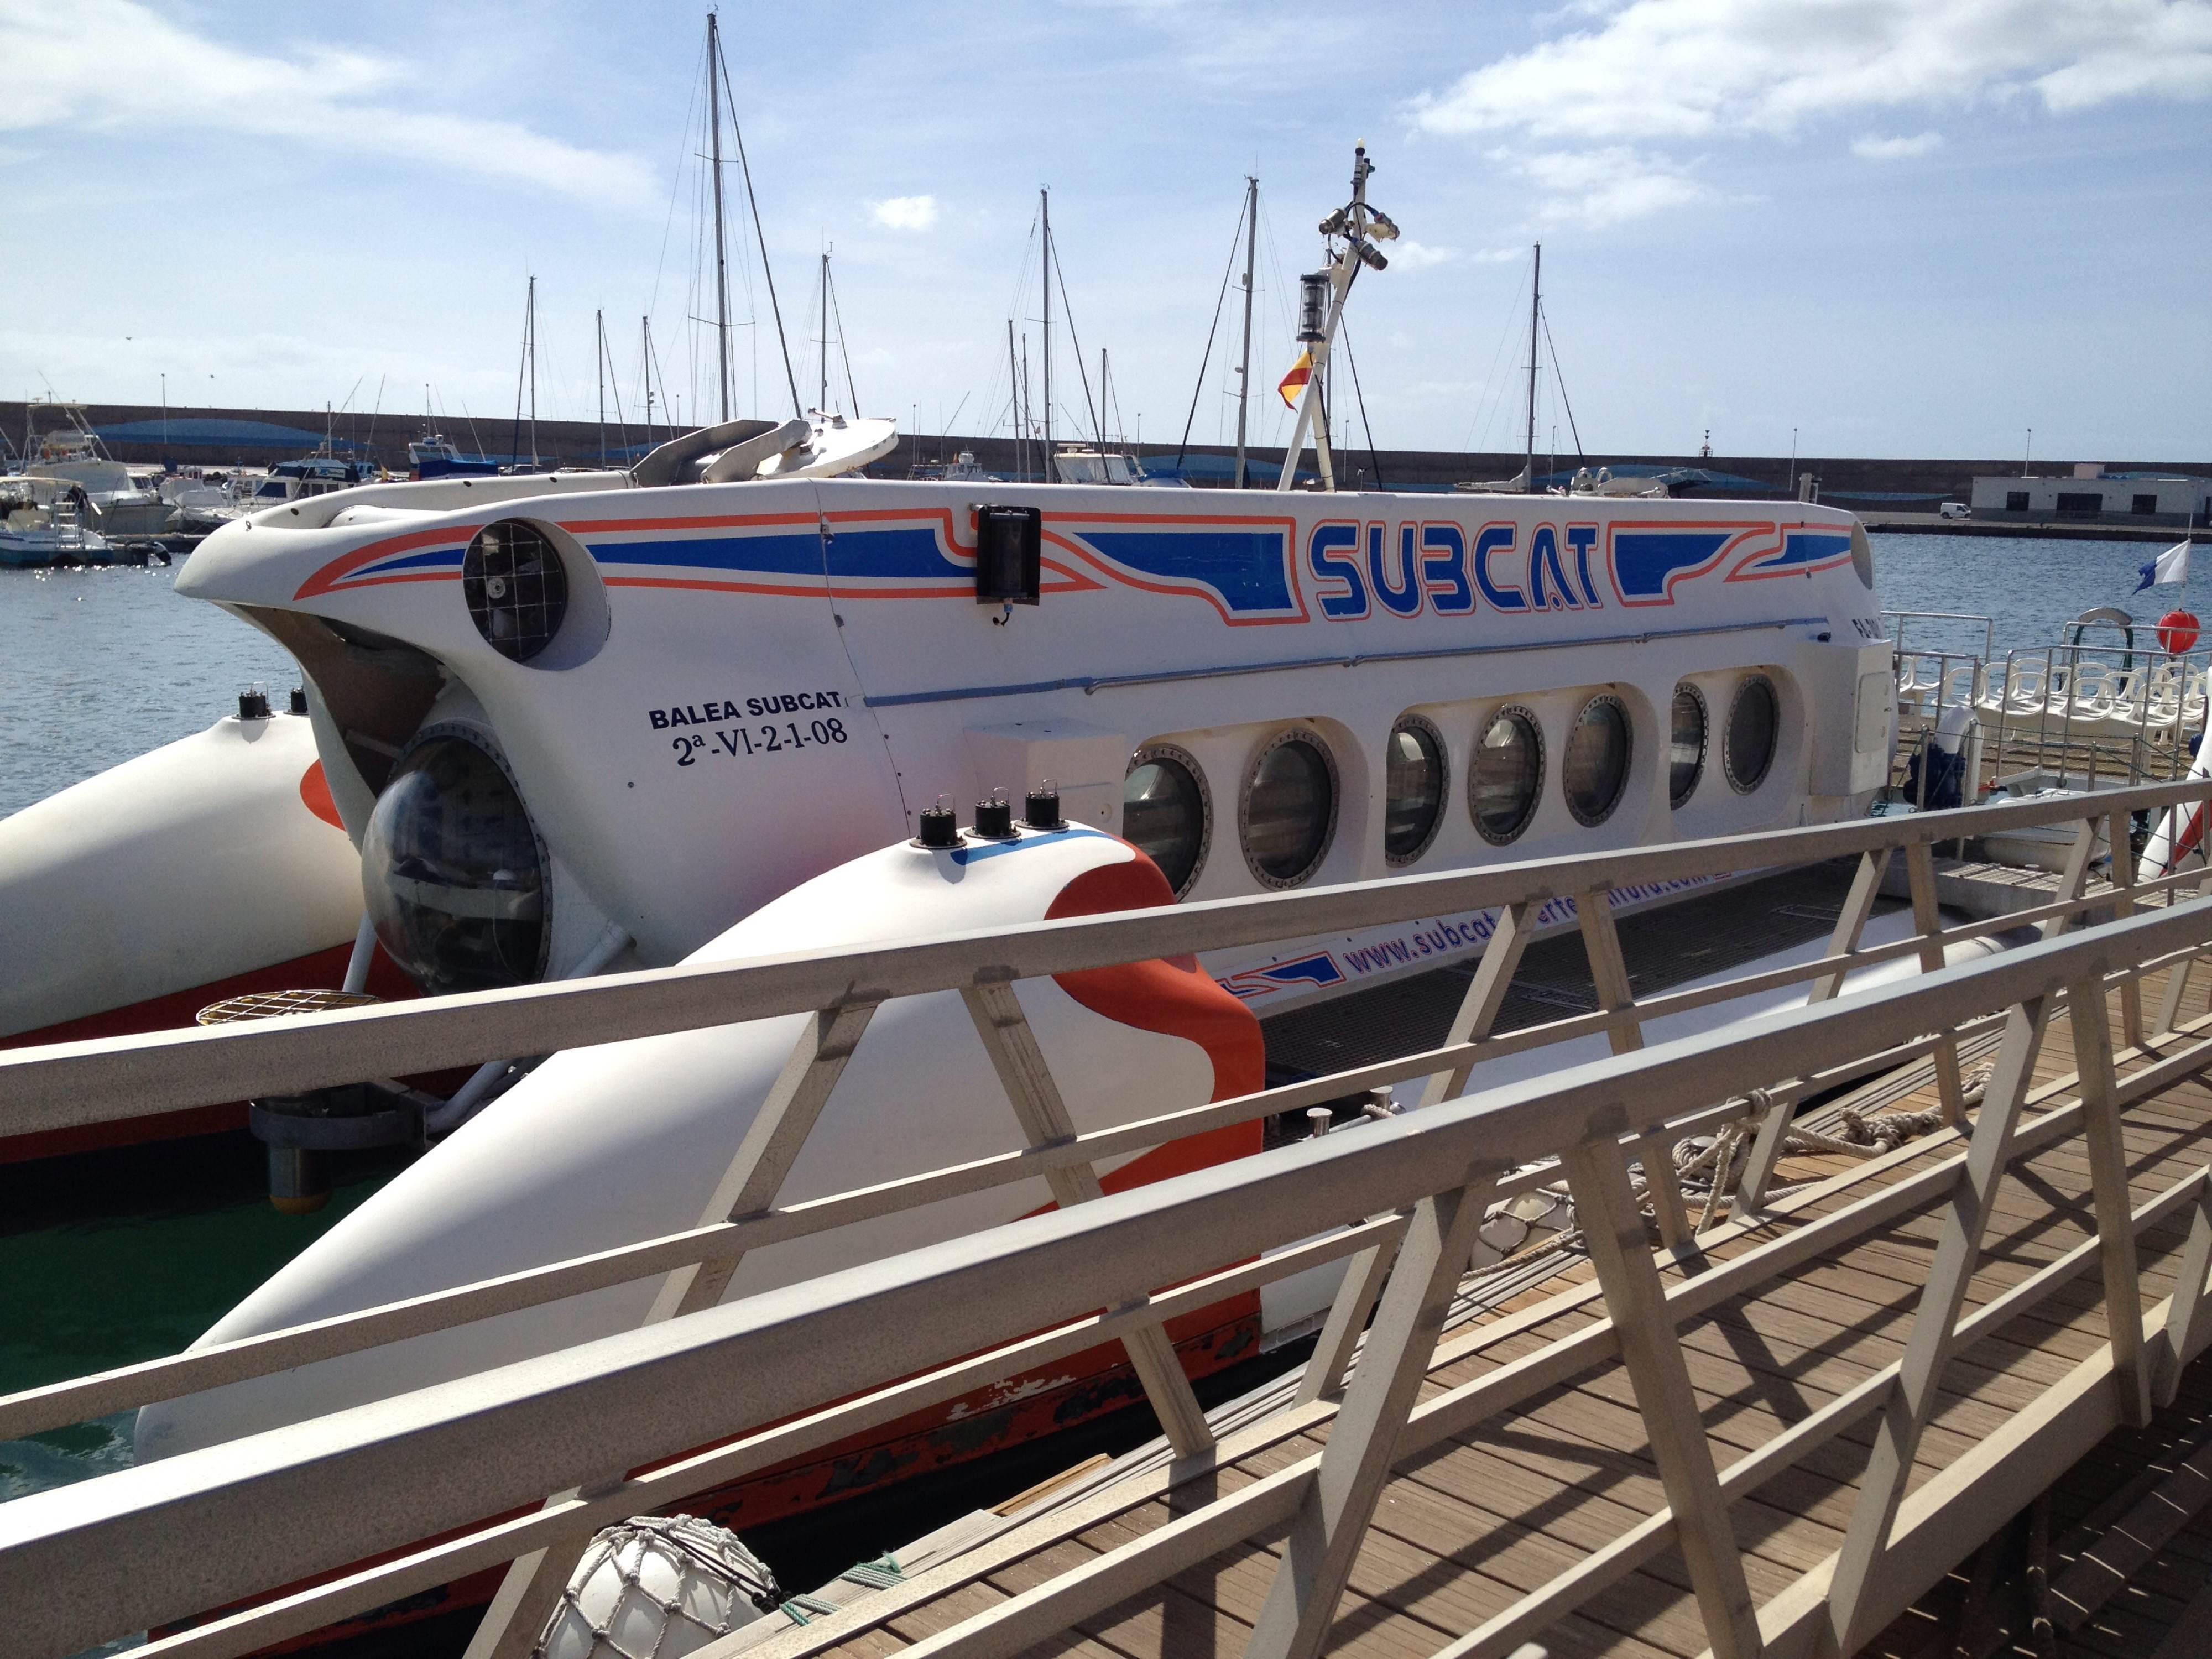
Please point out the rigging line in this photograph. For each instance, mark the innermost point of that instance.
(621, 427)
(1054, 269)
(676, 183)
(1014, 307)
(1545, 316)
(472, 420)
(1219, 300)
(522, 369)
(1279, 289)
(843, 350)
(1493, 388)
(1359, 396)
(798, 409)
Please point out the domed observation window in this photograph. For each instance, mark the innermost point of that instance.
(452, 871)
(516, 588)
(1754, 723)
(1288, 815)
(1594, 770)
(1166, 812)
(1414, 775)
(1506, 774)
(1685, 743)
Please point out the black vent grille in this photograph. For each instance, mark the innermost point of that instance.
(516, 587)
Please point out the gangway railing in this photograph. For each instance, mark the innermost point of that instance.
(518, 1465)
(2084, 712)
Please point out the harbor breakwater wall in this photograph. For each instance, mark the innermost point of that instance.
(260, 437)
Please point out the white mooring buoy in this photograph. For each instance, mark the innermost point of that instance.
(658, 1587)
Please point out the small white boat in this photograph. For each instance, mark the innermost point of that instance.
(108, 497)
(41, 523)
(2040, 846)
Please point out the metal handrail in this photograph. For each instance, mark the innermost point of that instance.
(66, 1085)
(122, 1551)
(1901, 618)
(55, 1404)
(76, 1400)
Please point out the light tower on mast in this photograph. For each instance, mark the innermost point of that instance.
(1349, 235)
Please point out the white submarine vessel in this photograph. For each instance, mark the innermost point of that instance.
(699, 711)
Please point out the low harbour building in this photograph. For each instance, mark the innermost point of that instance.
(2095, 496)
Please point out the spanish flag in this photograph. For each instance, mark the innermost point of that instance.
(1294, 383)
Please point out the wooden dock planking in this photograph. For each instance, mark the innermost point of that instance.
(1478, 1519)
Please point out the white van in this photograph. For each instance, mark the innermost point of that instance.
(1952, 509)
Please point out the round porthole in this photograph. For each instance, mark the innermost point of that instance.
(516, 588)
(1288, 813)
(1415, 776)
(1753, 724)
(1685, 743)
(1594, 768)
(1166, 813)
(451, 871)
(1506, 775)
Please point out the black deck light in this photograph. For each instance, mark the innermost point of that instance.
(1313, 307)
(1009, 555)
(939, 829)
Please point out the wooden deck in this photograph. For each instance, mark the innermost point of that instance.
(1473, 1520)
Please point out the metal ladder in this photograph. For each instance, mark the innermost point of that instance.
(68, 528)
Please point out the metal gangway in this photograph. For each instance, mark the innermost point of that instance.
(1799, 1526)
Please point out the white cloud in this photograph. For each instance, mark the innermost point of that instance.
(115, 65)
(1606, 186)
(1410, 255)
(1872, 148)
(905, 212)
(1695, 68)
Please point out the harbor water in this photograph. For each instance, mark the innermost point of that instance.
(105, 1262)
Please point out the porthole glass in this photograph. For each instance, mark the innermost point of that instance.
(515, 588)
(1508, 771)
(1288, 813)
(1685, 743)
(1755, 722)
(1413, 789)
(1594, 770)
(1166, 812)
(451, 873)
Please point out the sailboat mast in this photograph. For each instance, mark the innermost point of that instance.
(1536, 305)
(532, 306)
(721, 250)
(522, 374)
(1014, 393)
(822, 401)
(1099, 419)
(1045, 215)
(1244, 373)
(599, 368)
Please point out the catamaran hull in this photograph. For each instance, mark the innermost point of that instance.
(609, 1145)
(213, 866)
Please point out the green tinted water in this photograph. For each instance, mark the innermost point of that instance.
(124, 1257)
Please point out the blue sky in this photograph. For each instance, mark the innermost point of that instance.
(1899, 226)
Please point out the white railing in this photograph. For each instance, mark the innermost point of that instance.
(553, 1436)
(2083, 712)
